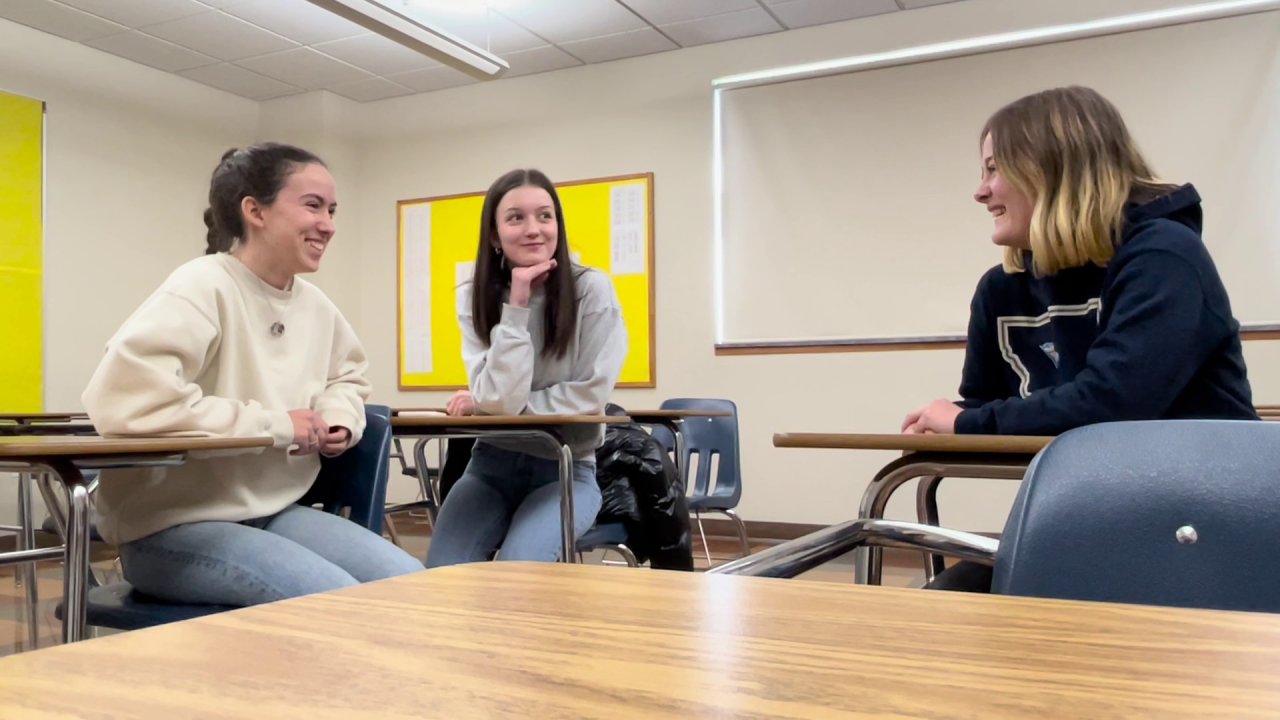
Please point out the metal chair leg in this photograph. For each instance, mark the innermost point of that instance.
(706, 549)
(390, 525)
(741, 528)
(30, 579)
(626, 554)
(927, 514)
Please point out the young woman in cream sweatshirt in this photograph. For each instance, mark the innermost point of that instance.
(235, 345)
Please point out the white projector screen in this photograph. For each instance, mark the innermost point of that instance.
(848, 209)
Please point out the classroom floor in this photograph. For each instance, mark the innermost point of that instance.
(900, 571)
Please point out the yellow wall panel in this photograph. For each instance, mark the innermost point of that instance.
(21, 241)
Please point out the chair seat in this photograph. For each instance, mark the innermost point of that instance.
(121, 607)
(699, 503)
(607, 534)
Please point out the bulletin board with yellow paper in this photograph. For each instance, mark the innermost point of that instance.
(21, 247)
(609, 224)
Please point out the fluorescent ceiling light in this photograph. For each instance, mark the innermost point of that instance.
(389, 19)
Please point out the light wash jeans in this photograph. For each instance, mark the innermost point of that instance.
(298, 551)
(510, 500)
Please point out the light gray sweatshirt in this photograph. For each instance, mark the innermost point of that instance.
(510, 375)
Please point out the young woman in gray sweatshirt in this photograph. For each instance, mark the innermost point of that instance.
(541, 335)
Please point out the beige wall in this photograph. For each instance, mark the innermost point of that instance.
(130, 149)
(654, 114)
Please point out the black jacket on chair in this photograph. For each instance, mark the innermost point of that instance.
(640, 489)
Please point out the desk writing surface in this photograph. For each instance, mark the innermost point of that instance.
(506, 421)
(26, 446)
(647, 415)
(561, 641)
(1012, 444)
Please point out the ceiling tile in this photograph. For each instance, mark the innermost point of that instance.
(913, 4)
(137, 13)
(58, 19)
(440, 77)
(370, 89)
(568, 20)
(488, 31)
(804, 13)
(622, 45)
(743, 23)
(304, 68)
(223, 4)
(221, 36)
(376, 54)
(538, 60)
(297, 20)
(665, 12)
(239, 81)
(155, 52)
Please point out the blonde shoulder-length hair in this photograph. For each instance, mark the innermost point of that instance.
(1070, 152)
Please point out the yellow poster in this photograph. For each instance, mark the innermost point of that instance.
(21, 241)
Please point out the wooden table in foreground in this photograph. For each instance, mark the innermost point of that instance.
(63, 458)
(572, 641)
(539, 428)
(929, 458)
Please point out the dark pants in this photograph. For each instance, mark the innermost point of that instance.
(964, 576)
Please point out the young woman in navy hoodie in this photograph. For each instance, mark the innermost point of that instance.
(1107, 307)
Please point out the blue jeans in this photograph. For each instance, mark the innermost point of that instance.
(510, 500)
(298, 551)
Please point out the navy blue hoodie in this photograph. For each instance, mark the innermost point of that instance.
(1150, 336)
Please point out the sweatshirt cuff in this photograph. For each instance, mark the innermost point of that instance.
(968, 422)
(342, 418)
(517, 317)
(280, 428)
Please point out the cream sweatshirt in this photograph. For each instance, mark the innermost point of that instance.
(199, 359)
(509, 375)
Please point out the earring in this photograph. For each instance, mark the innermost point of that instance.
(502, 259)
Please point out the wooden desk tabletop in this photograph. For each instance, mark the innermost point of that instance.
(482, 421)
(1011, 444)
(562, 641)
(398, 411)
(27, 446)
(647, 415)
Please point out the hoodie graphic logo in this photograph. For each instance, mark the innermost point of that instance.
(1051, 352)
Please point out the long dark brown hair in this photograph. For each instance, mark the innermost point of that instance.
(493, 276)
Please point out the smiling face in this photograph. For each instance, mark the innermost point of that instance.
(527, 226)
(296, 229)
(1010, 208)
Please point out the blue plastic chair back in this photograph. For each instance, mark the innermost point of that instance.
(707, 437)
(357, 478)
(1172, 512)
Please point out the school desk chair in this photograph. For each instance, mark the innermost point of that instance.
(356, 480)
(714, 442)
(1171, 512)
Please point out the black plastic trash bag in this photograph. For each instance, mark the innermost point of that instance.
(640, 489)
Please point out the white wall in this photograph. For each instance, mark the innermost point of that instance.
(654, 114)
(130, 150)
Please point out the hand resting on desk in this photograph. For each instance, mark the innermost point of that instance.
(938, 417)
